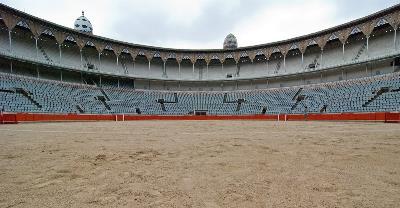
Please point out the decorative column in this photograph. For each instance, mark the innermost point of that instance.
(236, 57)
(343, 35)
(10, 21)
(149, 55)
(134, 53)
(164, 58)
(60, 37)
(284, 50)
(36, 30)
(394, 21)
(267, 53)
(221, 58)
(37, 49)
(81, 44)
(322, 41)
(179, 58)
(117, 51)
(302, 48)
(207, 58)
(367, 29)
(193, 59)
(100, 46)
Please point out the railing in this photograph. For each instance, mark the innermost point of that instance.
(388, 54)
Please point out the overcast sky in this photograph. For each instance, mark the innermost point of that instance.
(202, 23)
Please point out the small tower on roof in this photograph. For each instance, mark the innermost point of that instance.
(82, 24)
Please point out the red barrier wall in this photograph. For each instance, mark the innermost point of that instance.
(7, 118)
(29, 117)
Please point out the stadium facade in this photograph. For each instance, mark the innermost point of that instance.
(48, 68)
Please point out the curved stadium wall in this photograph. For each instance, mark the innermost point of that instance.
(49, 68)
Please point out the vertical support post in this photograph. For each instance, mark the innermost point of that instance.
(149, 65)
(11, 67)
(302, 61)
(100, 82)
(165, 69)
(267, 66)
(395, 39)
(322, 57)
(80, 51)
(37, 72)
(118, 83)
(37, 48)
(368, 46)
(207, 71)
(284, 63)
(343, 55)
(193, 71)
(394, 64)
(59, 49)
(179, 69)
(9, 38)
(342, 74)
(321, 79)
(99, 59)
(117, 61)
(61, 76)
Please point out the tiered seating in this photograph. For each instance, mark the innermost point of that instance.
(358, 95)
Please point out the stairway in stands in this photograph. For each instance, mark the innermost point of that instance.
(80, 108)
(105, 94)
(298, 100)
(377, 94)
(103, 100)
(44, 54)
(297, 97)
(360, 52)
(28, 95)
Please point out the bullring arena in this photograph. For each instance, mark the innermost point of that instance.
(200, 164)
(87, 121)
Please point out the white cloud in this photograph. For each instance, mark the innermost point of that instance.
(286, 20)
(201, 23)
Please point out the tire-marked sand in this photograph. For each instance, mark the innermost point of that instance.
(200, 164)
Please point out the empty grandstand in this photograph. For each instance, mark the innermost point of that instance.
(48, 68)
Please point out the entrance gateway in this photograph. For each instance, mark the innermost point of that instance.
(200, 112)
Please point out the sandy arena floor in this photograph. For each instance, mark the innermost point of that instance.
(200, 164)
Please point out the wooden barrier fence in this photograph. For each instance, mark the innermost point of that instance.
(13, 118)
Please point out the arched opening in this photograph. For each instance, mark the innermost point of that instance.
(109, 62)
(186, 72)
(312, 57)
(200, 70)
(23, 41)
(332, 53)
(47, 47)
(244, 67)
(126, 62)
(293, 61)
(230, 68)
(172, 68)
(91, 61)
(215, 69)
(141, 66)
(157, 68)
(71, 53)
(276, 62)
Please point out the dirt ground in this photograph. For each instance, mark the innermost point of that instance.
(200, 164)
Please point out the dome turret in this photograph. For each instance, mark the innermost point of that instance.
(230, 42)
(82, 24)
